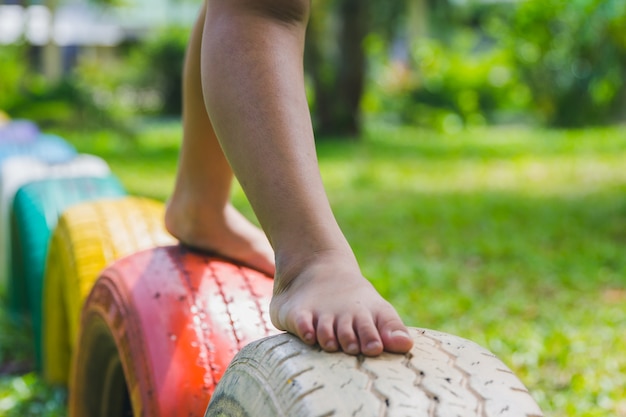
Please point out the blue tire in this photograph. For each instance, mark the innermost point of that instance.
(47, 148)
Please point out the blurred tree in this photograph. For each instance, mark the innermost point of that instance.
(558, 62)
(12, 73)
(109, 2)
(572, 54)
(336, 61)
(158, 64)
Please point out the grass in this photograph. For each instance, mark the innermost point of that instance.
(514, 238)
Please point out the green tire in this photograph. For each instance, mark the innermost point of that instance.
(36, 209)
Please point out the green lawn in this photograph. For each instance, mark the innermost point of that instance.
(514, 238)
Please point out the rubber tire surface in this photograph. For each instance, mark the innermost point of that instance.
(46, 148)
(170, 320)
(18, 171)
(89, 236)
(443, 375)
(18, 131)
(36, 209)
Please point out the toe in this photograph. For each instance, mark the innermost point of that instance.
(395, 336)
(347, 337)
(326, 334)
(371, 343)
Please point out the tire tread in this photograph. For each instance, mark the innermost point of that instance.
(442, 376)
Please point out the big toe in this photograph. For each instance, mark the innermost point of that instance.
(396, 337)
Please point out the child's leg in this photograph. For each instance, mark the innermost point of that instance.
(199, 212)
(252, 79)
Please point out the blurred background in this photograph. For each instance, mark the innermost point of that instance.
(474, 152)
(440, 64)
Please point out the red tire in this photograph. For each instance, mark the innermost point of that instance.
(159, 329)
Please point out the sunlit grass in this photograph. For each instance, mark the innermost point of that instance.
(514, 238)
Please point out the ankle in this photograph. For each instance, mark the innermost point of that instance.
(292, 264)
(188, 217)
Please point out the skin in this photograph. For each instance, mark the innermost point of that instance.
(245, 111)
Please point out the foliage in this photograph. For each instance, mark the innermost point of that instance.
(23, 395)
(28, 395)
(70, 102)
(25, 94)
(157, 66)
(104, 89)
(554, 62)
(14, 65)
(448, 75)
(572, 54)
(560, 63)
(143, 79)
(446, 85)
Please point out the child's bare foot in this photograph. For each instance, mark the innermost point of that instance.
(226, 232)
(327, 301)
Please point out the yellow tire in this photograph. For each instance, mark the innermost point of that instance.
(87, 238)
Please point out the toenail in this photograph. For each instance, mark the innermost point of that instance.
(399, 333)
(372, 346)
(331, 345)
(352, 347)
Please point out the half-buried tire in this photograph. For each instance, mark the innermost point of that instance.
(18, 171)
(160, 328)
(88, 237)
(36, 209)
(47, 148)
(442, 376)
(18, 131)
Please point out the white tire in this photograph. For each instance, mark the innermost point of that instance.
(442, 376)
(21, 170)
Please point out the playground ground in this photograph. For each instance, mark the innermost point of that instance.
(512, 237)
